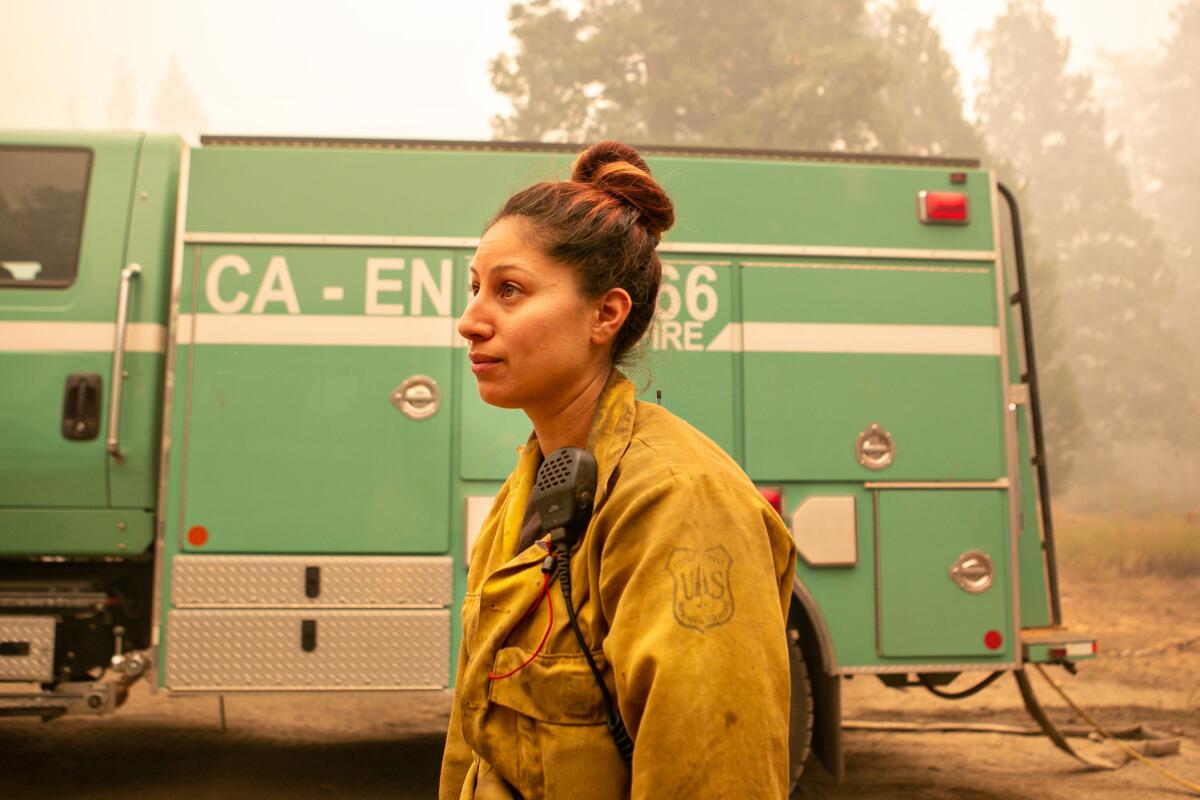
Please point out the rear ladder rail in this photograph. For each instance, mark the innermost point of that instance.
(1030, 378)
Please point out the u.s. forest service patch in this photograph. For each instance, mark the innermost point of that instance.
(703, 593)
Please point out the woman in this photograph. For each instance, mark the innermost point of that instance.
(682, 578)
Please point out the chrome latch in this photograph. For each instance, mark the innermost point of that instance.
(973, 572)
(875, 448)
(418, 397)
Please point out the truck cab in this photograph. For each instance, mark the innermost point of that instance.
(80, 443)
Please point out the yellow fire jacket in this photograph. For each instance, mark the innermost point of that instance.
(682, 583)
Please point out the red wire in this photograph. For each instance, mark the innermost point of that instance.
(545, 636)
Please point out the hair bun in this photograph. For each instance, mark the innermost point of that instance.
(617, 169)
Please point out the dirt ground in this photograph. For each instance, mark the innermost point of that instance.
(389, 745)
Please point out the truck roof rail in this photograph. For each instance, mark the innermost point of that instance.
(496, 145)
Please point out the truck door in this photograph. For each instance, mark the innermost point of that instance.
(65, 205)
(311, 390)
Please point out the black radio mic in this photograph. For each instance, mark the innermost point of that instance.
(563, 493)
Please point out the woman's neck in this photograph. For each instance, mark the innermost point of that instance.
(568, 422)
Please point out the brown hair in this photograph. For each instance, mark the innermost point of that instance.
(606, 223)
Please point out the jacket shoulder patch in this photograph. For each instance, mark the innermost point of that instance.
(703, 594)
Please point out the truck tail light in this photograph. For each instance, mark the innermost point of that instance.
(774, 497)
(1073, 650)
(941, 208)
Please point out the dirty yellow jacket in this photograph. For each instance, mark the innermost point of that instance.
(682, 583)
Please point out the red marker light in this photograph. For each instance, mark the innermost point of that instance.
(198, 536)
(942, 208)
(992, 640)
(775, 498)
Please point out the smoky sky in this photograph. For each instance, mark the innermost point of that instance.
(387, 69)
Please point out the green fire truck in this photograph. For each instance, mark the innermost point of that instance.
(241, 449)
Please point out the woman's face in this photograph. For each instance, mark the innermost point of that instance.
(531, 333)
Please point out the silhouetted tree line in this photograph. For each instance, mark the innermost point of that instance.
(833, 74)
(176, 107)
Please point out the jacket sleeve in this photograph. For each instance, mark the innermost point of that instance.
(693, 577)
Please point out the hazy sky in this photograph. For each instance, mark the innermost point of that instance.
(398, 69)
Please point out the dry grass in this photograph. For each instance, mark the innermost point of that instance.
(1128, 545)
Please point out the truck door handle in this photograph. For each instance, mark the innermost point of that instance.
(308, 635)
(81, 407)
(118, 363)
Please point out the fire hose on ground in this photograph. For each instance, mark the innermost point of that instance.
(1146, 742)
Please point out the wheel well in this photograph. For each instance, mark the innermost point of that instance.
(826, 687)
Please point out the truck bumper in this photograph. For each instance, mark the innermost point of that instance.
(1056, 646)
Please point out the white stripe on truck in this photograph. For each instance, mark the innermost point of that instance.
(750, 337)
(471, 242)
(29, 336)
(803, 337)
(316, 329)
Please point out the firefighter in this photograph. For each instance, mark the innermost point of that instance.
(683, 576)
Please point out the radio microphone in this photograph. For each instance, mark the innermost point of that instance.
(563, 493)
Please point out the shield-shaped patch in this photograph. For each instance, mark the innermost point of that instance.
(703, 593)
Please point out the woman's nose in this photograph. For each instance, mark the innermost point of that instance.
(472, 325)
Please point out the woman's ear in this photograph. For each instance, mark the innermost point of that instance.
(612, 308)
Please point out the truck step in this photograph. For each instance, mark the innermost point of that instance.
(33, 705)
(50, 599)
(82, 697)
(1054, 644)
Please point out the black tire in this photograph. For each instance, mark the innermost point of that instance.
(800, 718)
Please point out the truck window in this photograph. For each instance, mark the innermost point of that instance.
(42, 197)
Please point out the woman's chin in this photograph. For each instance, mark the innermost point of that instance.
(496, 396)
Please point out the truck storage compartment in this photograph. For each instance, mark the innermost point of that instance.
(837, 347)
(311, 581)
(944, 578)
(27, 648)
(314, 420)
(288, 649)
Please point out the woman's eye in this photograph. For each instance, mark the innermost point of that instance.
(474, 289)
(509, 290)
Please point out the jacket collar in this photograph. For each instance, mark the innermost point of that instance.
(612, 429)
(608, 439)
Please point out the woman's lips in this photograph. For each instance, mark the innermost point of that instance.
(481, 364)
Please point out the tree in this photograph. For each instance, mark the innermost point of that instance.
(121, 104)
(923, 91)
(1172, 119)
(765, 73)
(1109, 283)
(1155, 100)
(177, 108)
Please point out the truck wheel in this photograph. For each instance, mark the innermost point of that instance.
(800, 728)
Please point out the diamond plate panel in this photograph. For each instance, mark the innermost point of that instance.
(35, 634)
(273, 581)
(229, 650)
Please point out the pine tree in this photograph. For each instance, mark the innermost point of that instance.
(794, 74)
(1108, 283)
(1155, 100)
(177, 108)
(923, 91)
(121, 104)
